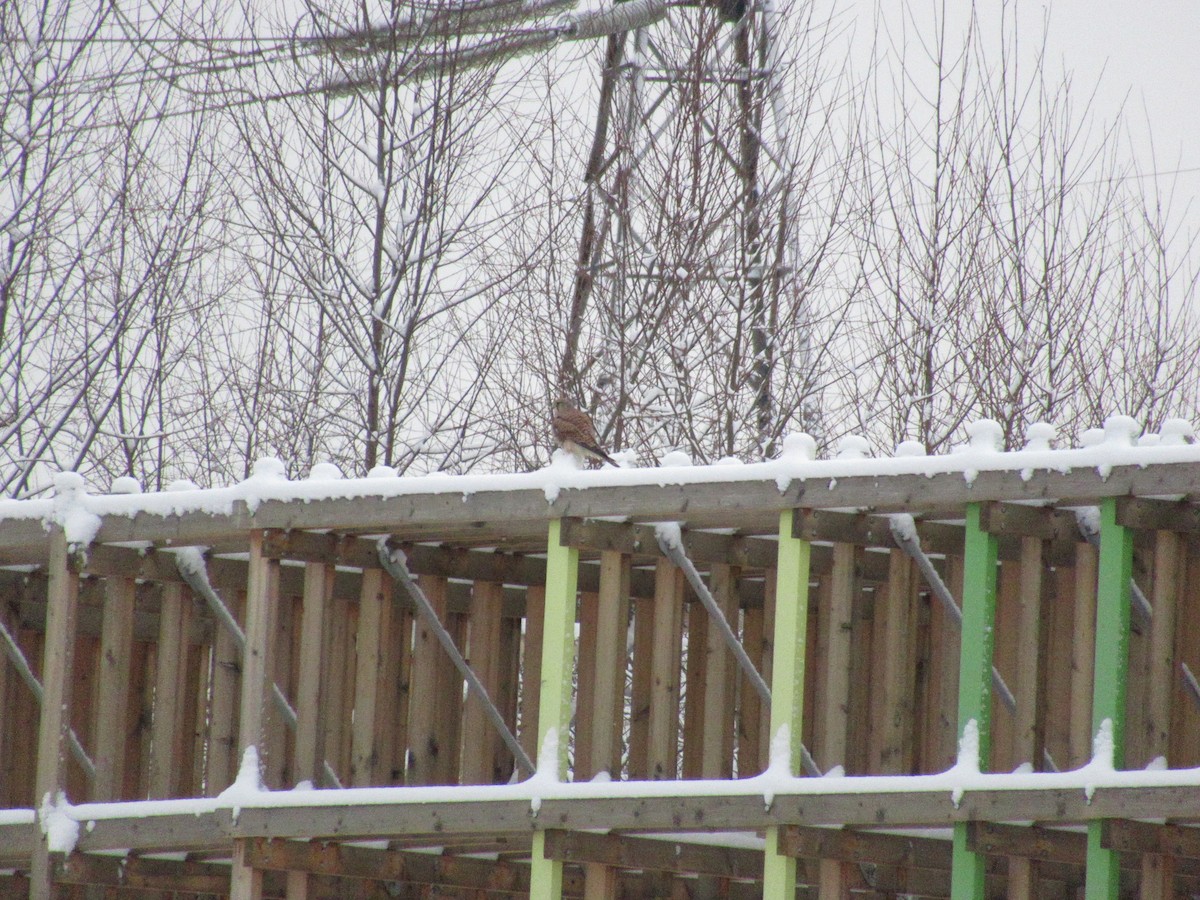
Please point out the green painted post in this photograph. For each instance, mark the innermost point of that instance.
(554, 704)
(1112, 670)
(975, 681)
(787, 685)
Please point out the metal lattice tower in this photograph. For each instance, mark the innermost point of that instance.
(686, 191)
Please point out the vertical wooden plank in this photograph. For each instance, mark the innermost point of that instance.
(450, 688)
(339, 683)
(507, 691)
(1111, 668)
(894, 746)
(1083, 651)
(662, 752)
(246, 882)
(194, 682)
(640, 688)
(612, 621)
(8, 694)
(1022, 878)
(692, 691)
(1160, 677)
(479, 751)
(62, 601)
(862, 639)
(279, 740)
(167, 692)
(226, 665)
(834, 880)
(554, 713)
(1005, 653)
(605, 673)
(308, 755)
(137, 721)
(838, 627)
(116, 649)
(975, 683)
(787, 688)
(1185, 718)
(1157, 876)
(374, 618)
(531, 667)
(749, 704)
(717, 760)
(1058, 634)
(424, 701)
(1029, 737)
(589, 612)
(770, 607)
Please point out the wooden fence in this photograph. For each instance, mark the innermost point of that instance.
(124, 681)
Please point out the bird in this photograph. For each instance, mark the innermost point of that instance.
(575, 433)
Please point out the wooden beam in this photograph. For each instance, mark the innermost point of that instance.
(853, 846)
(1144, 514)
(1129, 836)
(343, 861)
(640, 540)
(141, 874)
(837, 624)
(626, 852)
(374, 626)
(1160, 677)
(612, 629)
(1030, 842)
(747, 503)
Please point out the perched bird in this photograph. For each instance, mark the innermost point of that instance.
(575, 433)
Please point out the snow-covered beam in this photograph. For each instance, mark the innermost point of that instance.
(502, 508)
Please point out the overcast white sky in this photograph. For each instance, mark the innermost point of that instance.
(1145, 53)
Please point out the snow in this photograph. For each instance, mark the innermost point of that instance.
(60, 829)
(81, 512)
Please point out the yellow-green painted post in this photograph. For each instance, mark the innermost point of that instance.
(554, 705)
(1112, 670)
(975, 682)
(787, 686)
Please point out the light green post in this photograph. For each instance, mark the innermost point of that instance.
(787, 686)
(554, 703)
(1112, 669)
(975, 682)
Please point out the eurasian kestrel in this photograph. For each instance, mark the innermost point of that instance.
(575, 433)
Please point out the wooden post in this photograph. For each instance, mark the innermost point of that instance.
(62, 604)
(424, 700)
(531, 667)
(894, 747)
(1161, 669)
(168, 695)
(222, 742)
(612, 623)
(479, 749)
(787, 688)
(1112, 663)
(662, 754)
(116, 648)
(246, 882)
(975, 683)
(717, 753)
(1083, 651)
(837, 623)
(750, 705)
(308, 753)
(554, 711)
(374, 618)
